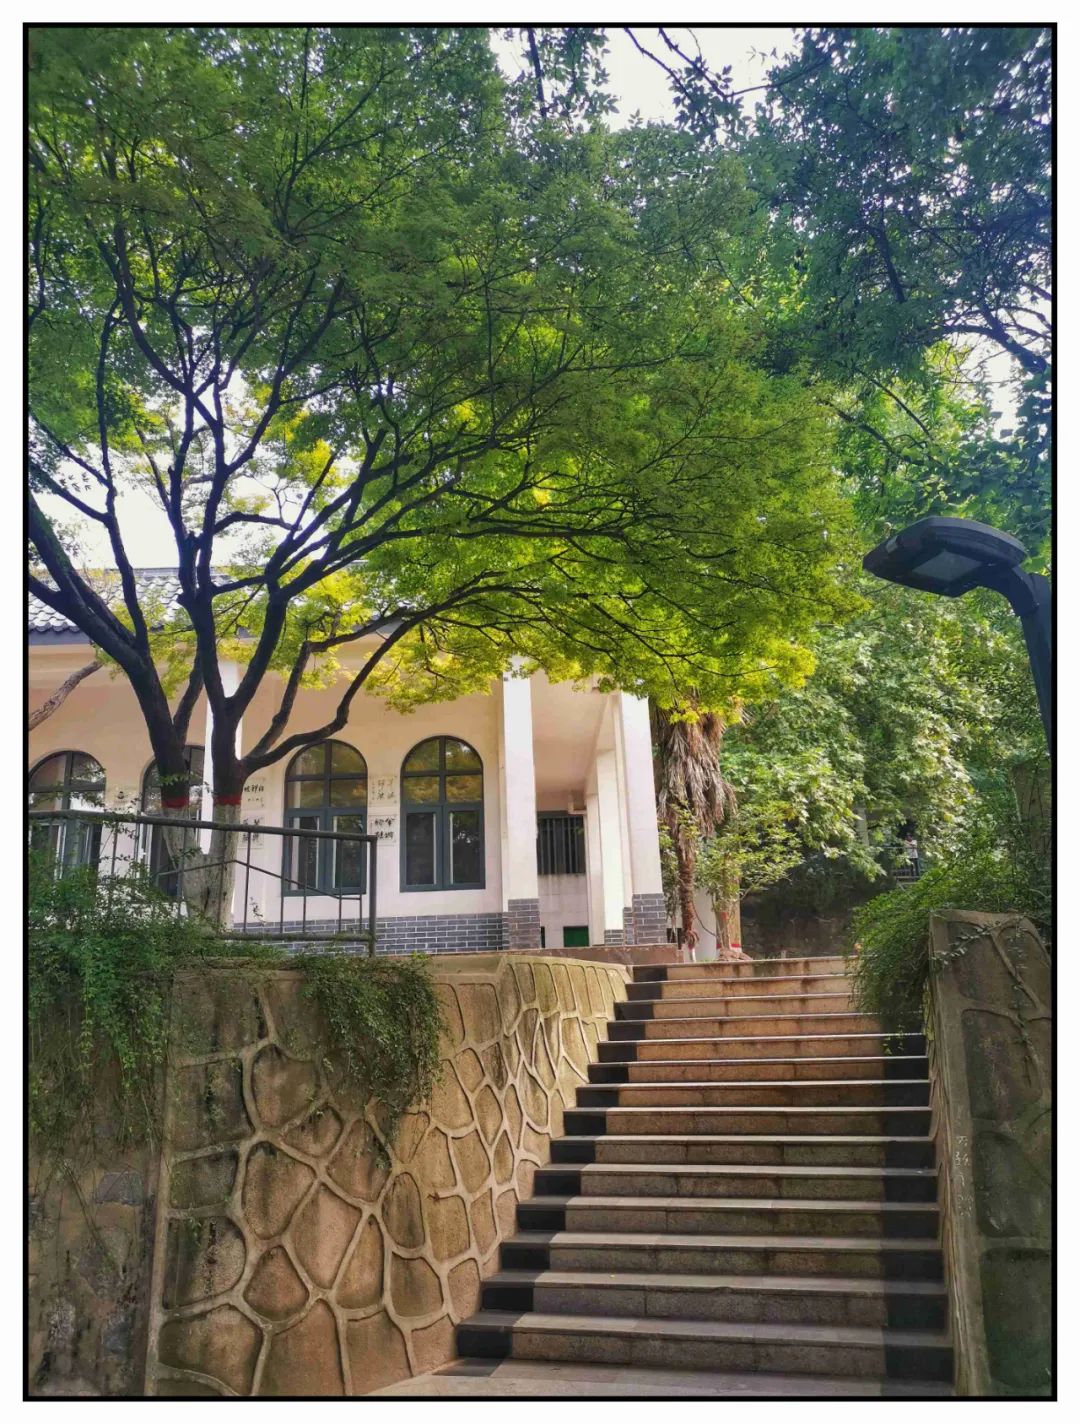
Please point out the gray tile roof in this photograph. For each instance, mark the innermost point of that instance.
(158, 589)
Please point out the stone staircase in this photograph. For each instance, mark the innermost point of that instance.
(744, 1202)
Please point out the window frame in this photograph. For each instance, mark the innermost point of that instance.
(84, 848)
(326, 812)
(442, 809)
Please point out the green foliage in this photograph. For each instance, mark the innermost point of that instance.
(382, 1022)
(755, 847)
(994, 869)
(915, 706)
(101, 956)
(908, 171)
(407, 358)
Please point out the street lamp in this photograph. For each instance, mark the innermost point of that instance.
(952, 556)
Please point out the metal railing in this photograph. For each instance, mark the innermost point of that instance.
(117, 844)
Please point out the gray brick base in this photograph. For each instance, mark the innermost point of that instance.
(649, 916)
(523, 924)
(627, 925)
(427, 934)
(614, 937)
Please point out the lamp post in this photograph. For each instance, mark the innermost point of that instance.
(952, 556)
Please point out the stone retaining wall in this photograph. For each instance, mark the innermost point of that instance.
(297, 1249)
(90, 1233)
(991, 1077)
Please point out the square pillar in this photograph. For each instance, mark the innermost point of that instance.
(594, 867)
(517, 811)
(611, 846)
(647, 909)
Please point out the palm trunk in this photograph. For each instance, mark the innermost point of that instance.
(685, 859)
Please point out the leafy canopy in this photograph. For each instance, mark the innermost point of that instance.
(410, 372)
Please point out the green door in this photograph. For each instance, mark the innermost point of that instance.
(575, 935)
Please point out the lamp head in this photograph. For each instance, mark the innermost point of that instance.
(946, 556)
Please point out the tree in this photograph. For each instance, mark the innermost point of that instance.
(913, 164)
(400, 382)
(917, 712)
(897, 231)
(908, 174)
(693, 798)
(903, 226)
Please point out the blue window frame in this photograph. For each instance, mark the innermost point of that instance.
(326, 789)
(442, 813)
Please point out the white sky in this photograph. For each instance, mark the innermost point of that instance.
(639, 86)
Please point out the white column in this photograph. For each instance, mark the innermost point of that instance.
(611, 858)
(646, 891)
(624, 818)
(517, 789)
(595, 868)
(640, 795)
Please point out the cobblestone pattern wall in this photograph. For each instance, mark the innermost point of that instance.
(89, 1253)
(297, 1251)
(991, 1065)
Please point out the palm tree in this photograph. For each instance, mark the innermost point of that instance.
(693, 797)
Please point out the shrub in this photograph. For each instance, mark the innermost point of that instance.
(995, 871)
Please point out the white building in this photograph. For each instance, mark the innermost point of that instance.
(547, 790)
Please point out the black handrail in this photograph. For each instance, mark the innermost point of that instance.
(119, 821)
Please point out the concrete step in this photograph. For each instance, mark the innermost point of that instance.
(745, 969)
(747, 1149)
(891, 1258)
(746, 1216)
(778, 1300)
(863, 1351)
(637, 1179)
(704, 1070)
(740, 1049)
(738, 1006)
(475, 1378)
(716, 987)
(752, 1026)
(843, 1092)
(717, 1121)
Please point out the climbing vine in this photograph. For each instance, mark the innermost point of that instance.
(101, 955)
(381, 1023)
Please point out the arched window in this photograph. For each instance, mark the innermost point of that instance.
(442, 804)
(326, 790)
(159, 859)
(67, 781)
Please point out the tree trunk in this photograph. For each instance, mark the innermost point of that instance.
(206, 878)
(728, 929)
(685, 860)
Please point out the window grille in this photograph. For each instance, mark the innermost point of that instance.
(560, 845)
